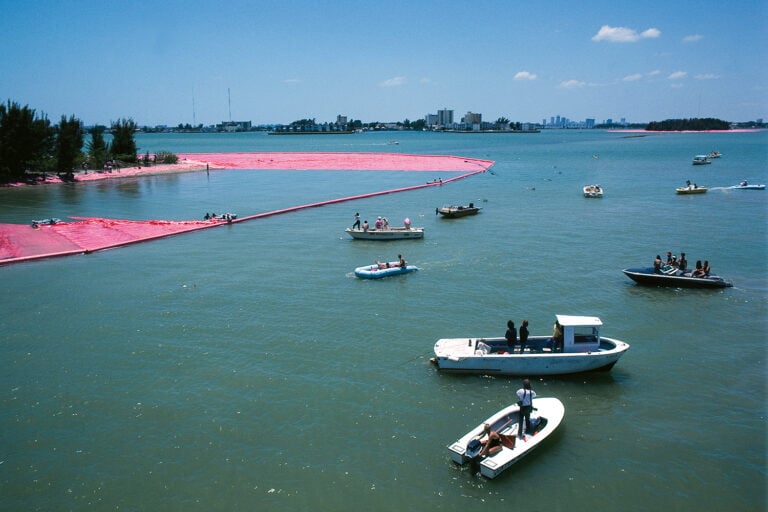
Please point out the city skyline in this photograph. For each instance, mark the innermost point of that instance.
(274, 62)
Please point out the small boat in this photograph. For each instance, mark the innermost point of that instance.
(377, 271)
(390, 233)
(452, 212)
(670, 276)
(714, 154)
(593, 191)
(701, 160)
(691, 189)
(581, 349)
(547, 415)
(45, 222)
(746, 186)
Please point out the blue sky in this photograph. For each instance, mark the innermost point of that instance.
(170, 62)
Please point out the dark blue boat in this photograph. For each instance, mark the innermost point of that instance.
(648, 276)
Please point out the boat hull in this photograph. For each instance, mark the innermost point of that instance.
(550, 412)
(453, 212)
(458, 355)
(748, 187)
(374, 272)
(647, 276)
(398, 233)
(691, 190)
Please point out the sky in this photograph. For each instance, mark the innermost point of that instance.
(276, 61)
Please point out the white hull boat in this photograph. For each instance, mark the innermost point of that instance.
(746, 186)
(593, 191)
(547, 415)
(701, 160)
(391, 233)
(582, 349)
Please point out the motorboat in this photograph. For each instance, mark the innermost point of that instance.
(593, 191)
(670, 276)
(691, 189)
(379, 270)
(389, 233)
(453, 212)
(746, 186)
(581, 349)
(714, 154)
(46, 222)
(547, 415)
(701, 160)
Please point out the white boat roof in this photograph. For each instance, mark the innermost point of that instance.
(572, 320)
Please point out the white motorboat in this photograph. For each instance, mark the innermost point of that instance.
(581, 349)
(547, 415)
(701, 160)
(746, 186)
(390, 233)
(691, 189)
(593, 191)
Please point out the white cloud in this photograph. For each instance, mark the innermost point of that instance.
(632, 78)
(678, 75)
(695, 38)
(572, 84)
(525, 75)
(396, 81)
(623, 34)
(654, 72)
(707, 76)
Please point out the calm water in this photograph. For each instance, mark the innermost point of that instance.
(245, 368)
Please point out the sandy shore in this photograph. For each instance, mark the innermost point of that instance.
(194, 162)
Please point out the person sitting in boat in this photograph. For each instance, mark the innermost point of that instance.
(378, 223)
(705, 268)
(657, 263)
(669, 258)
(365, 225)
(384, 223)
(682, 264)
(492, 445)
(744, 183)
(382, 265)
(698, 271)
(407, 223)
(401, 261)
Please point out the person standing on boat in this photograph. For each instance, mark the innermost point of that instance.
(357, 221)
(523, 335)
(557, 337)
(525, 395)
(511, 335)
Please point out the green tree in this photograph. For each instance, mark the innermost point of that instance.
(123, 145)
(97, 148)
(26, 141)
(69, 145)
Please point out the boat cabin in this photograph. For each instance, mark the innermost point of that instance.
(580, 333)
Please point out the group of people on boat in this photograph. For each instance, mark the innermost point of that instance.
(228, 217)
(401, 263)
(555, 344)
(673, 265)
(381, 223)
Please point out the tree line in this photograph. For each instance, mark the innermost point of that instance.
(695, 124)
(30, 145)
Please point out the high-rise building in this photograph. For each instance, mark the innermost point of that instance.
(445, 117)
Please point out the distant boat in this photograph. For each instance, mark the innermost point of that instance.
(691, 189)
(714, 154)
(593, 191)
(391, 233)
(458, 211)
(377, 271)
(701, 160)
(649, 277)
(746, 186)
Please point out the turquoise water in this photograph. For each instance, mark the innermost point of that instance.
(246, 368)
